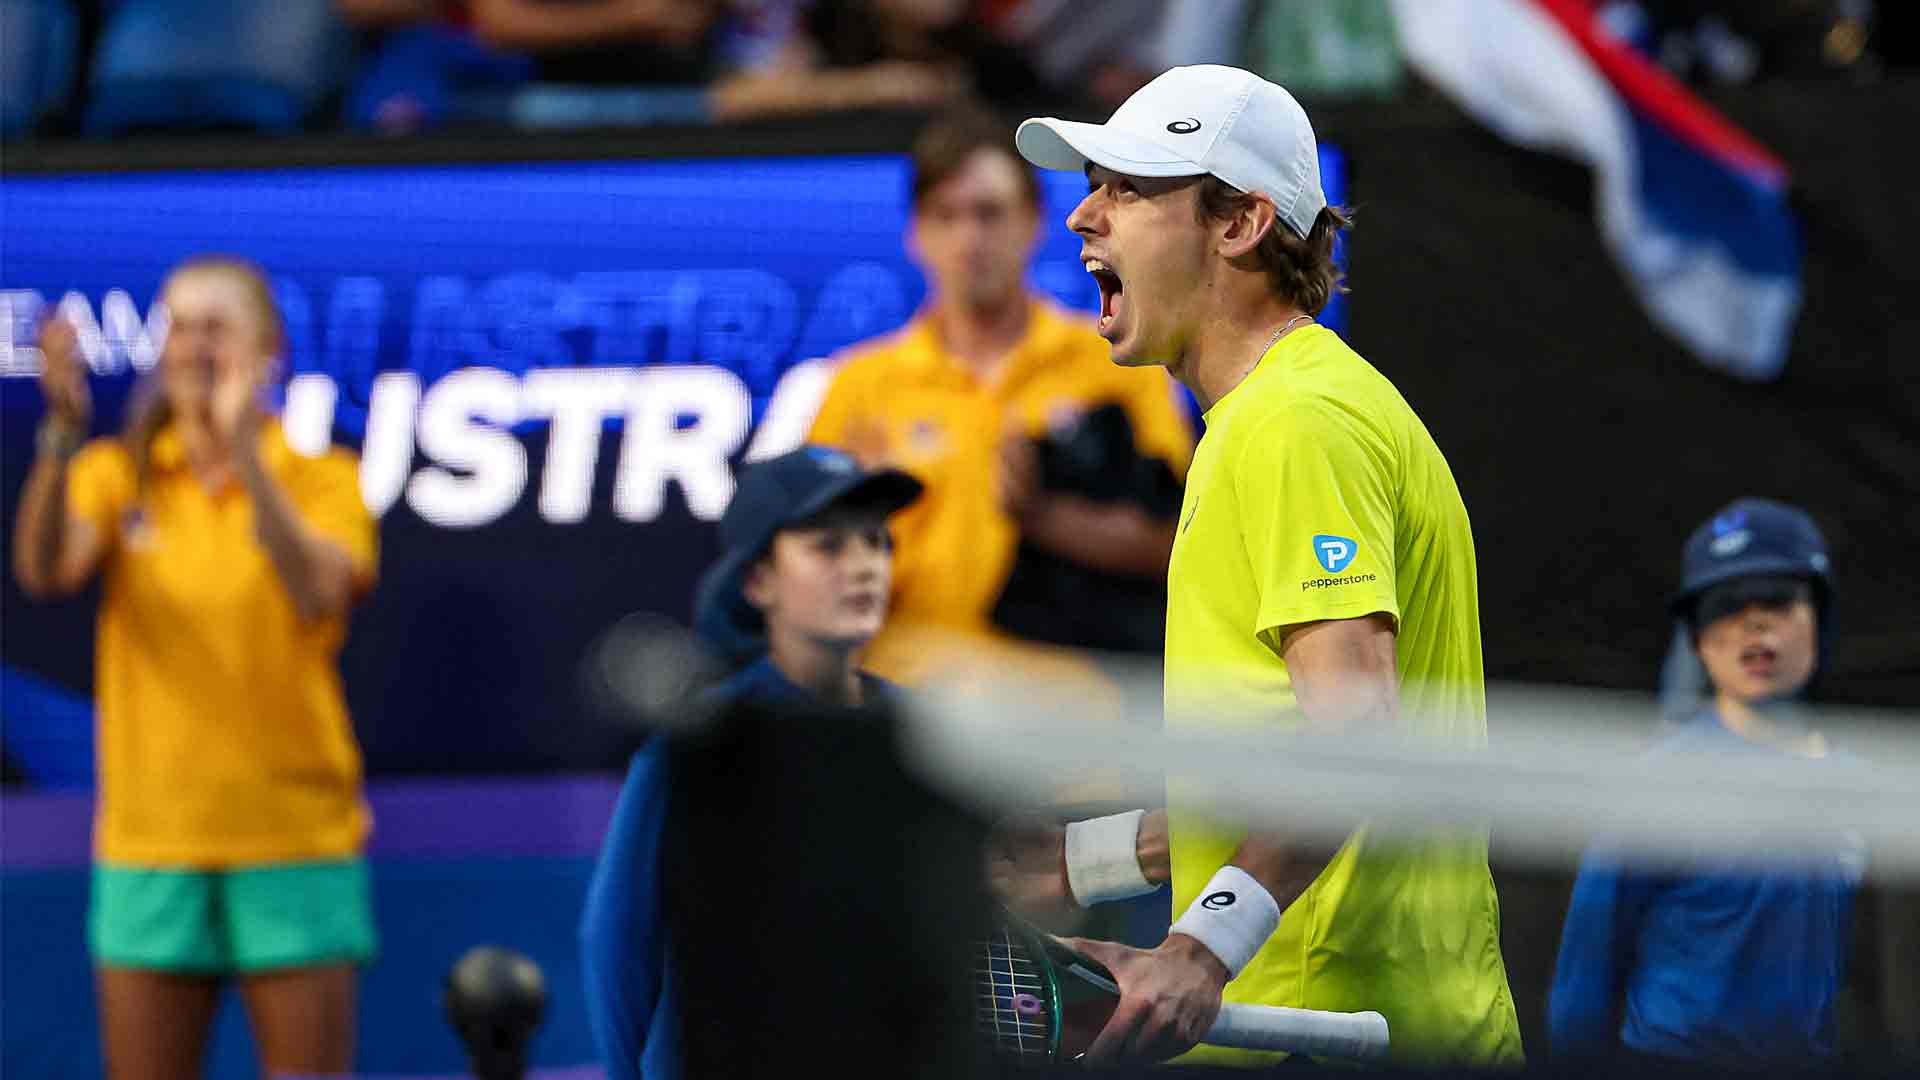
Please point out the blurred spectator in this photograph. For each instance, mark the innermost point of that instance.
(1314, 47)
(604, 41)
(1739, 41)
(1326, 48)
(844, 54)
(423, 65)
(376, 14)
(435, 61)
(1101, 60)
(41, 51)
(230, 824)
(274, 66)
(1720, 960)
(964, 396)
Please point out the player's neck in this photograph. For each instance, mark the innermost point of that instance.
(981, 337)
(825, 672)
(1228, 346)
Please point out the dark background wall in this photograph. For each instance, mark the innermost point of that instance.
(1586, 444)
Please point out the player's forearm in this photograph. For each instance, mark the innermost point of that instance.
(1118, 538)
(1344, 679)
(39, 528)
(1283, 865)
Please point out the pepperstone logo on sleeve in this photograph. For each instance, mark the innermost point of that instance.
(1334, 553)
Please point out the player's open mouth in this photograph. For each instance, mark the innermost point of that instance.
(1110, 289)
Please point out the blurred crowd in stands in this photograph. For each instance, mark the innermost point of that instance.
(105, 67)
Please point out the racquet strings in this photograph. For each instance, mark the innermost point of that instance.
(1011, 1003)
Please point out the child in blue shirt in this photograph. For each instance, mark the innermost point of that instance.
(1721, 961)
(801, 586)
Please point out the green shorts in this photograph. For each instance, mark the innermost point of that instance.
(285, 915)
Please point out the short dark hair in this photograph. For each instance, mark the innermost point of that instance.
(952, 137)
(1734, 596)
(1299, 269)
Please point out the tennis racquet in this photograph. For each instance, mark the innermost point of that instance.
(1037, 999)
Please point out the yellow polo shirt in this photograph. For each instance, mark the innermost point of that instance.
(1317, 494)
(903, 401)
(223, 738)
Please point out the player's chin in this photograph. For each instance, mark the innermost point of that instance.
(1128, 352)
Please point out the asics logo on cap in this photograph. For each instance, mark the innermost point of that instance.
(1184, 127)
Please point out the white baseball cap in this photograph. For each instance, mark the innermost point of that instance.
(1206, 118)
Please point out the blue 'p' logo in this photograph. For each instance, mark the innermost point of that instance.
(1334, 552)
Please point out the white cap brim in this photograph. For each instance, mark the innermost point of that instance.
(1069, 144)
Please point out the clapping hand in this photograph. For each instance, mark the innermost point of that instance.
(235, 408)
(63, 378)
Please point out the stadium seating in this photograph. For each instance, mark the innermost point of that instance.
(39, 49)
(259, 65)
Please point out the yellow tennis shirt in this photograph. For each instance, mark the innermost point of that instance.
(223, 738)
(904, 401)
(1316, 494)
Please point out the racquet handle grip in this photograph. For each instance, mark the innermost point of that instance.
(1360, 1036)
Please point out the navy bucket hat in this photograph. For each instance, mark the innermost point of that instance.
(776, 494)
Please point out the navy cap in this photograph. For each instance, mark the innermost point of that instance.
(1753, 537)
(776, 494)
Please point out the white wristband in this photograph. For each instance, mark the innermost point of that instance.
(1102, 862)
(1233, 918)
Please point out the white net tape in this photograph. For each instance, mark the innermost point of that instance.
(1560, 768)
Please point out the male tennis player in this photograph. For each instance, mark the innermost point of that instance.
(1323, 577)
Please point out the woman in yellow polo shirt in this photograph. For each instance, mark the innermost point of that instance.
(230, 822)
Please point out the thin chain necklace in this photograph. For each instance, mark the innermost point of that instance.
(1284, 327)
(1262, 354)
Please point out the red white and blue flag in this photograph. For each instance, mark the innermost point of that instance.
(1694, 210)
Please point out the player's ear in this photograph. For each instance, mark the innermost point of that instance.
(1247, 226)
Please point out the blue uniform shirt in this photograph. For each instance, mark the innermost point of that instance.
(1714, 962)
(626, 957)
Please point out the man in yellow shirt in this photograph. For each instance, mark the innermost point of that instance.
(958, 396)
(1323, 578)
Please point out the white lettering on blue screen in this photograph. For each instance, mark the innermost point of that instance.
(681, 425)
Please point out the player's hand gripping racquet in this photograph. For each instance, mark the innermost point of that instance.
(1040, 1000)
